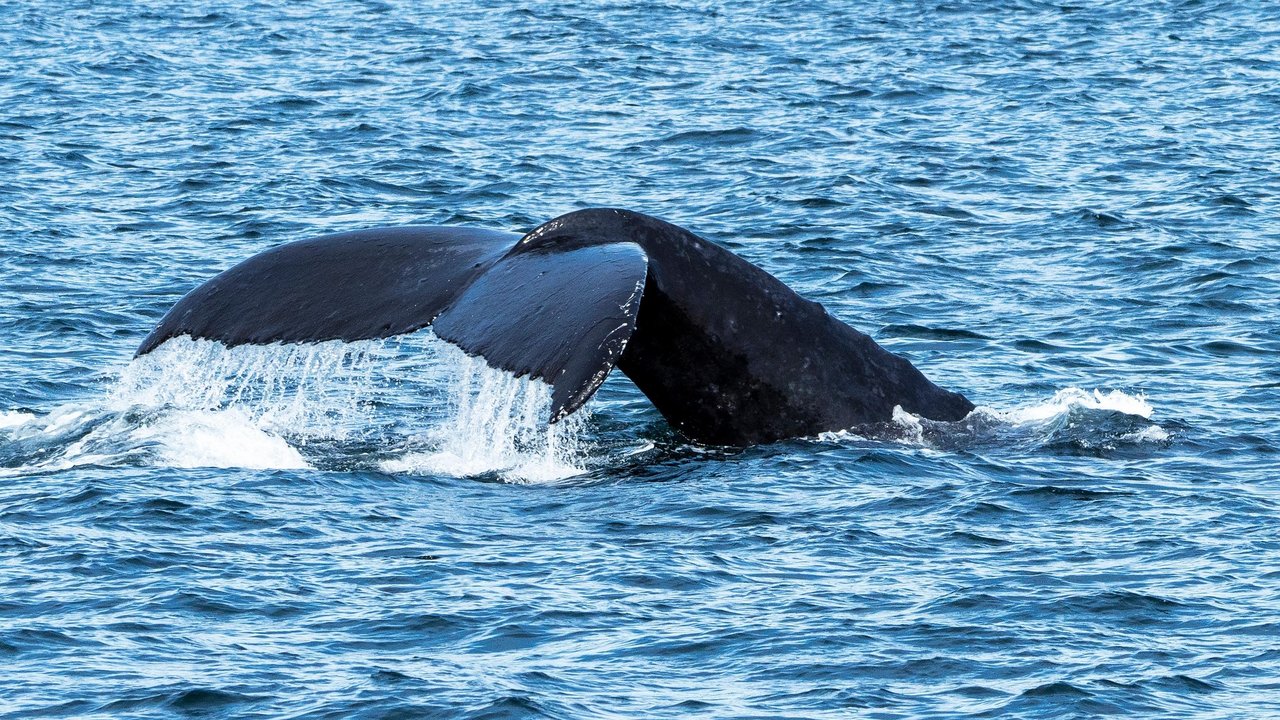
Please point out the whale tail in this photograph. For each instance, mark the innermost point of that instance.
(726, 352)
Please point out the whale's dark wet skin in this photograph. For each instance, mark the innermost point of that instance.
(726, 352)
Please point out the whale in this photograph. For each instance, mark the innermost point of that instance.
(728, 354)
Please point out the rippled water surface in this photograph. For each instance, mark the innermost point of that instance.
(1065, 211)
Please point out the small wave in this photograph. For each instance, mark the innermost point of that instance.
(1058, 689)
(730, 136)
(1149, 434)
(15, 418)
(1072, 420)
(929, 333)
(84, 436)
(1102, 218)
(1075, 421)
(1066, 400)
(223, 439)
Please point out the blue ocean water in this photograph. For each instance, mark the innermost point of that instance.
(1066, 210)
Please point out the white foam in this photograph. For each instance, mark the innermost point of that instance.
(1068, 399)
(910, 423)
(221, 439)
(1035, 418)
(903, 427)
(60, 420)
(168, 438)
(199, 404)
(1151, 434)
(15, 418)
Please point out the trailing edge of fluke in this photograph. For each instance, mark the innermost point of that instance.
(726, 352)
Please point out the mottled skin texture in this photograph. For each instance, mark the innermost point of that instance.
(727, 353)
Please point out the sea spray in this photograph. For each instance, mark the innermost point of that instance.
(412, 404)
(1072, 398)
(497, 424)
(302, 390)
(1073, 418)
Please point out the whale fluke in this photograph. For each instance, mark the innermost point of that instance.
(726, 352)
(563, 317)
(350, 286)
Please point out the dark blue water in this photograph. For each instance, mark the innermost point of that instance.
(1066, 211)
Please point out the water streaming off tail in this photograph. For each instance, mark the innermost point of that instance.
(322, 390)
(411, 404)
(497, 423)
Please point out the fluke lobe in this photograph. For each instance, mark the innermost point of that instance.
(726, 352)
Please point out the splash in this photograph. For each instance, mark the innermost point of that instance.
(316, 390)
(72, 437)
(196, 403)
(199, 404)
(1076, 421)
(1065, 401)
(1072, 419)
(497, 425)
(223, 439)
